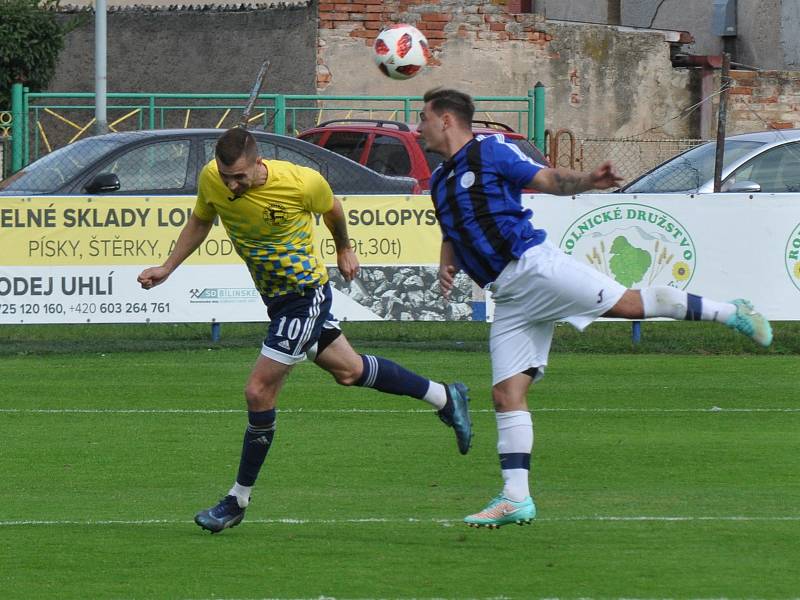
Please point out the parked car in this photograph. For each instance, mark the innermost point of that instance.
(168, 161)
(768, 161)
(396, 148)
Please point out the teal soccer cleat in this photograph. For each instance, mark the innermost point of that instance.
(459, 420)
(227, 513)
(751, 323)
(502, 511)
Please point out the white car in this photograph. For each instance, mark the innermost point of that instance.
(768, 161)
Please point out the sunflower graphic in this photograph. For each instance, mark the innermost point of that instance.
(681, 271)
(796, 270)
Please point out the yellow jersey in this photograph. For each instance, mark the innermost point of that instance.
(271, 226)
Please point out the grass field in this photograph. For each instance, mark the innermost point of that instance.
(655, 476)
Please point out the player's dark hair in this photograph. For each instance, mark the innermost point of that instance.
(235, 143)
(452, 101)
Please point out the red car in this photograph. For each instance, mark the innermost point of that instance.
(396, 148)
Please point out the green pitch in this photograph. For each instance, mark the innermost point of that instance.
(654, 477)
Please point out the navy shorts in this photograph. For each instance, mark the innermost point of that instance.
(296, 322)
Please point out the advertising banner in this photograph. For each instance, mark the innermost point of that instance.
(75, 259)
(724, 246)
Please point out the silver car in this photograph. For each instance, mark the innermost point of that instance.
(768, 161)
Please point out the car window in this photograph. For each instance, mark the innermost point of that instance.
(312, 138)
(298, 158)
(434, 159)
(777, 170)
(157, 166)
(271, 151)
(690, 170)
(389, 156)
(530, 150)
(347, 143)
(53, 170)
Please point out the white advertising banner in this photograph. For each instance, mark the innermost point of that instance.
(75, 259)
(724, 246)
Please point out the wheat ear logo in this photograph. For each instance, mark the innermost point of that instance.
(636, 244)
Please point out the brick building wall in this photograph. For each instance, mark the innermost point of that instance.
(762, 100)
(599, 80)
(439, 21)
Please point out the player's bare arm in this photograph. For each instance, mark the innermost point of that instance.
(566, 182)
(447, 268)
(346, 258)
(191, 236)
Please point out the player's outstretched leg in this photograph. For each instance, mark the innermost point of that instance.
(365, 370)
(502, 511)
(748, 321)
(665, 301)
(225, 514)
(450, 400)
(455, 414)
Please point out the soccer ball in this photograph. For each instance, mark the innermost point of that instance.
(401, 51)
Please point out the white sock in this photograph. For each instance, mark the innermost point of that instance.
(514, 445)
(242, 493)
(666, 301)
(436, 395)
(717, 311)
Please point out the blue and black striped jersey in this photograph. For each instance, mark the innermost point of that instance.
(476, 195)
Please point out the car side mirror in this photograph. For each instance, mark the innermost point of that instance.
(103, 183)
(748, 187)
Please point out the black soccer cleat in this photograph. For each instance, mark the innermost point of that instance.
(227, 513)
(458, 419)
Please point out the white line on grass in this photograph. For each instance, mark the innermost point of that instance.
(384, 598)
(368, 520)
(214, 411)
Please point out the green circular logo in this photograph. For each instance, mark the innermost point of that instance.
(636, 244)
(792, 255)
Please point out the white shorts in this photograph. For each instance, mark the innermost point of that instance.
(543, 286)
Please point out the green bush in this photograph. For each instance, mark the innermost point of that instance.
(31, 39)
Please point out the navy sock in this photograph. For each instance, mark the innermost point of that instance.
(389, 377)
(694, 307)
(257, 440)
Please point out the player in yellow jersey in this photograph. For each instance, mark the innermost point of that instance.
(267, 207)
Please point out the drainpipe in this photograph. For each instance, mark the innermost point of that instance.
(614, 12)
(707, 65)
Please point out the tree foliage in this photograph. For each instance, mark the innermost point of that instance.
(31, 38)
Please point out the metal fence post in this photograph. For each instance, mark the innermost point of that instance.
(26, 127)
(636, 332)
(531, 114)
(152, 112)
(16, 127)
(538, 119)
(280, 114)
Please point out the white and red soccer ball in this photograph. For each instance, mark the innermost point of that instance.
(401, 51)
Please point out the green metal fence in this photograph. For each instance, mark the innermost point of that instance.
(44, 121)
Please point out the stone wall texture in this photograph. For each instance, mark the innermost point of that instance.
(195, 50)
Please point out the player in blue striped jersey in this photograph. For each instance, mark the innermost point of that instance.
(487, 233)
